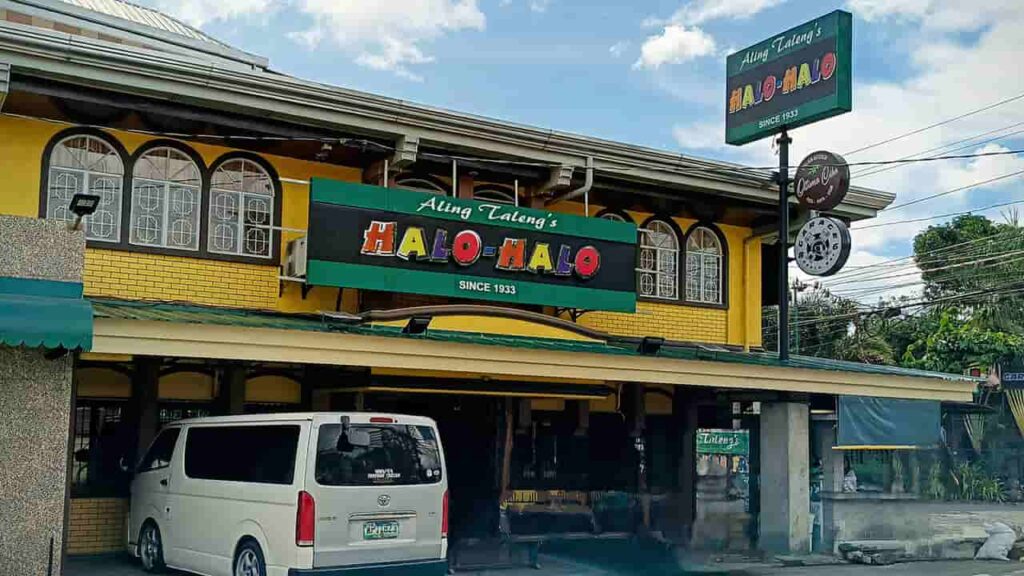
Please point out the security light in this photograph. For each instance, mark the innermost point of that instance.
(417, 325)
(650, 345)
(83, 205)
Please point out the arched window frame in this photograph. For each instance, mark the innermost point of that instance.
(272, 225)
(658, 265)
(706, 266)
(495, 194)
(55, 206)
(421, 183)
(133, 207)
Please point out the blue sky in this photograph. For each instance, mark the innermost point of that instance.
(652, 73)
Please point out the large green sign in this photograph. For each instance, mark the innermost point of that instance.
(396, 240)
(789, 80)
(723, 442)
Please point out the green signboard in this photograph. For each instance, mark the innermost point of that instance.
(789, 80)
(735, 442)
(396, 240)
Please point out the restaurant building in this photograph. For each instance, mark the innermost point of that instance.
(570, 310)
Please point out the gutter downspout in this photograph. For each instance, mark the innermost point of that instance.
(584, 190)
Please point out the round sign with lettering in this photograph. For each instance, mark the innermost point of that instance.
(822, 246)
(822, 181)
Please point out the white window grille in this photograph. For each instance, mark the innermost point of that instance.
(494, 195)
(166, 200)
(241, 219)
(704, 267)
(420, 185)
(86, 165)
(659, 261)
(613, 217)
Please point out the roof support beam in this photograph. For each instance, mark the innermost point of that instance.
(5, 82)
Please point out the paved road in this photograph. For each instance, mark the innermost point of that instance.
(949, 568)
(553, 566)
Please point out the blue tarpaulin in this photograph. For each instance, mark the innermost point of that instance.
(887, 423)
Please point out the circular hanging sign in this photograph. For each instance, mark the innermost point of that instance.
(822, 181)
(822, 246)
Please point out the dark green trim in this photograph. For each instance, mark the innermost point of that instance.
(830, 24)
(39, 287)
(407, 202)
(808, 113)
(324, 273)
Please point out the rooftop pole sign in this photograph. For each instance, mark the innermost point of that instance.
(789, 80)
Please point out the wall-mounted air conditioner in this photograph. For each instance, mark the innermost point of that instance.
(296, 263)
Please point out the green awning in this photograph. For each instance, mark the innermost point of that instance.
(44, 313)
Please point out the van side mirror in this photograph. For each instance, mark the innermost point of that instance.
(353, 438)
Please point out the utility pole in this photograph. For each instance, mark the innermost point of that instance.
(798, 287)
(783, 263)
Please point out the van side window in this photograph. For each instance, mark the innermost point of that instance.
(260, 454)
(160, 452)
(386, 454)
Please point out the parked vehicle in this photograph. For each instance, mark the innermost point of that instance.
(293, 495)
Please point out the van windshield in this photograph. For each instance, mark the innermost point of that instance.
(396, 454)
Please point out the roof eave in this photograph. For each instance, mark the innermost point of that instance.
(191, 79)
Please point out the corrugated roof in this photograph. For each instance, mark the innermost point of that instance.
(186, 313)
(144, 16)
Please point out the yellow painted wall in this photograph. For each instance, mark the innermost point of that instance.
(103, 383)
(194, 386)
(273, 390)
(133, 275)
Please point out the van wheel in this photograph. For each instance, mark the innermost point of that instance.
(249, 560)
(151, 548)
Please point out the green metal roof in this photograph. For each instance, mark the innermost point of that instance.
(44, 313)
(184, 313)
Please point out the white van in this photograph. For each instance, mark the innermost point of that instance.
(313, 494)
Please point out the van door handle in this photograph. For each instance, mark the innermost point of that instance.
(163, 482)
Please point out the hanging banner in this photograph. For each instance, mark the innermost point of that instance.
(790, 80)
(397, 240)
(723, 442)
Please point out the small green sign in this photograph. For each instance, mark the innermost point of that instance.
(394, 240)
(791, 79)
(735, 442)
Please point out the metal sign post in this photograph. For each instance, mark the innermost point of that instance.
(783, 263)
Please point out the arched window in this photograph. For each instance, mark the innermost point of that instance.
(241, 209)
(659, 261)
(420, 184)
(166, 199)
(494, 194)
(703, 266)
(86, 164)
(613, 216)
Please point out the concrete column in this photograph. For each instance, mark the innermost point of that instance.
(234, 389)
(832, 468)
(684, 431)
(145, 416)
(785, 477)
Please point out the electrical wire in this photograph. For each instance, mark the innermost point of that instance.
(871, 172)
(925, 219)
(935, 125)
(953, 191)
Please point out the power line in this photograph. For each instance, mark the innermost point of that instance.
(935, 125)
(871, 172)
(955, 190)
(972, 211)
(990, 258)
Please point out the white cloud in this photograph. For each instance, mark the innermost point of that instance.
(619, 48)
(539, 6)
(702, 11)
(386, 35)
(674, 45)
(201, 12)
(943, 15)
(681, 38)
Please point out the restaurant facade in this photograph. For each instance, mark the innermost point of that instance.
(570, 310)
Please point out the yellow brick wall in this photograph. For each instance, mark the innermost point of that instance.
(670, 321)
(97, 525)
(139, 276)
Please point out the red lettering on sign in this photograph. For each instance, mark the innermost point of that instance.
(512, 254)
(828, 65)
(768, 88)
(466, 247)
(588, 262)
(379, 239)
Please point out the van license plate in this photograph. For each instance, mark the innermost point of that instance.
(385, 530)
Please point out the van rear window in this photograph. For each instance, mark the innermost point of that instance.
(377, 454)
(259, 454)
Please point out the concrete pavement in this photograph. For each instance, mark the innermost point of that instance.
(939, 568)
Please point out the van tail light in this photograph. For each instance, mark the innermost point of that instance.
(305, 520)
(444, 515)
